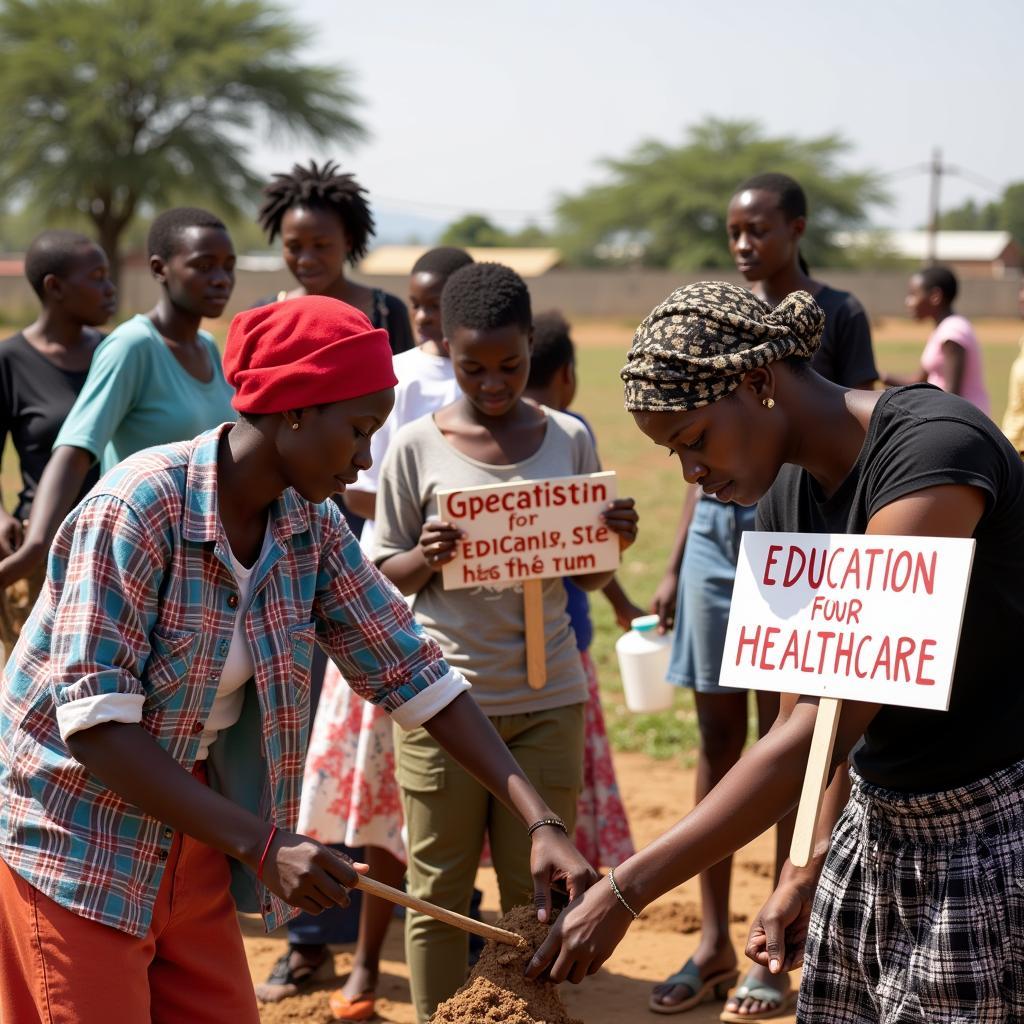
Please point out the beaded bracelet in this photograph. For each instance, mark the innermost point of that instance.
(618, 893)
(556, 822)
(266, 850)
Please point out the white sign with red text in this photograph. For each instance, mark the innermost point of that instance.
(531, 529)
(866, 618)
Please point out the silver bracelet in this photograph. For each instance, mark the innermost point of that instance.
(618, 893)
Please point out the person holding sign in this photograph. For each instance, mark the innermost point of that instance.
(153, 716)
(918, 915)
(491, 435)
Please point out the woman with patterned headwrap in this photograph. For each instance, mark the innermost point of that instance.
(919, 908)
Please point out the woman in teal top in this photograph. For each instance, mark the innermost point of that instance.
(138, 394)
(155, 380)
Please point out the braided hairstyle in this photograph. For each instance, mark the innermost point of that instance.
(322, 187)
(695, 348)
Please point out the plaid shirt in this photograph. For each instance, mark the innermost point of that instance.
(140, 599)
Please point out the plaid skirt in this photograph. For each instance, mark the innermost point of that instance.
(919, 915)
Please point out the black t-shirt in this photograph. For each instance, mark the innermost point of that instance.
(390, 313)
(845, 355)
(922, 437)
(35, 399)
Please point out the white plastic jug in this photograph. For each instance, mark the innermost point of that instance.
(643, 664)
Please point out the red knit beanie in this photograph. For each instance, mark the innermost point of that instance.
(311, 350)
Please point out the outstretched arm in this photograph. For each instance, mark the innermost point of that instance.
(59, 485)
(759, 790)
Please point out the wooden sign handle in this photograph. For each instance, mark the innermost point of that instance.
(536, 648)
(815, 780)
(467, 924)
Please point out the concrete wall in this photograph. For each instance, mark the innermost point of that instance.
(618, 294)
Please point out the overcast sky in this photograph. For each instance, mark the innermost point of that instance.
(498, 108)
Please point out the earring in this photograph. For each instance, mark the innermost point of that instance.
(295, 426)
(768, 403)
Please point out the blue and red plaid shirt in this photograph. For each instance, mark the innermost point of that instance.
(140, 599)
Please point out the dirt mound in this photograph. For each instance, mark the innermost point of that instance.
(497, 992)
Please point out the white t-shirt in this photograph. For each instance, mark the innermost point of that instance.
(426, 383)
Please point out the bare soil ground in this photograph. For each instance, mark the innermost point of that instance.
(657, 793)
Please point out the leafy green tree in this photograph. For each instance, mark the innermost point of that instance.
(970, 216)
(1012, 211)
(473, 229)
(476, 230)
(110, 105)
(665, 206)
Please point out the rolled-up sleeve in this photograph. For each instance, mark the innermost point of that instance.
(108, 573)
(369, 632)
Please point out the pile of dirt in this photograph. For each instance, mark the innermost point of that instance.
(497, 992)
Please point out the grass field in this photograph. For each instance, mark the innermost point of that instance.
(646, 474)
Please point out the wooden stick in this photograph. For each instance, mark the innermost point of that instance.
(815, 780)
(536, 653)
(467, 924)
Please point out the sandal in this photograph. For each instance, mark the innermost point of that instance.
(779, 1003)
(705, 990)
(363, 1007)
(285, 981)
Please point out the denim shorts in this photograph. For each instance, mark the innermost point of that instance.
(705, 592)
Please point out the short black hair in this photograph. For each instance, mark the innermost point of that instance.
(167, 229)
(942, 278)
(322, 187)
(483, 296)
(552, 348)
(442, 261)
(792, 199)
(53, 252)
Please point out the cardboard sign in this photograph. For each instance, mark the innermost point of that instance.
(866, 618)
(530, 529)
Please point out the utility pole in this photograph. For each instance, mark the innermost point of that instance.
(936, 172)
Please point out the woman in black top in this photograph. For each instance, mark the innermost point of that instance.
(919, 914)
(43, 367)
(765, 224)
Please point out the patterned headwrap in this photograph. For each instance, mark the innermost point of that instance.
(695, 347)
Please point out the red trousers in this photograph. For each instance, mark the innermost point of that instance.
(190, 968)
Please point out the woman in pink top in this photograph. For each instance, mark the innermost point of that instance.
(951, 359)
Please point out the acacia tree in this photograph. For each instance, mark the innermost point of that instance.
(109, 104)
(666, 205)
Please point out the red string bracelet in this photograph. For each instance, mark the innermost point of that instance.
(266, 850)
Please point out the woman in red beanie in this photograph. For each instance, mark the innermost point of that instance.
(154, 714)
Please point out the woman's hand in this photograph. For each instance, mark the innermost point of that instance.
(779, 931)
(553, 858)
(584, 936)
(20, 564)
(663, 603)
(309, 875)
(625, 614)
(620, 516)
(10, 533)
(437, 543)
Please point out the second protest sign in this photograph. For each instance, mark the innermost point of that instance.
(525, 532)
(868, 618)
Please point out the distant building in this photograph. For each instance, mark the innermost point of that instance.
(397, 260)
(966, 253)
